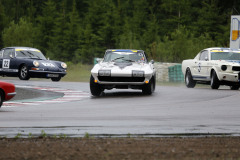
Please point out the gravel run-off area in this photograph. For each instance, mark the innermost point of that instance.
(189, 148)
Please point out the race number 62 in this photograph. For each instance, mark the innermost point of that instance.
(6, 63)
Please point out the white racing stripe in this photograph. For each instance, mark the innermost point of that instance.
(69, 95)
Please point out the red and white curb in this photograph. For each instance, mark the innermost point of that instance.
(69, 96)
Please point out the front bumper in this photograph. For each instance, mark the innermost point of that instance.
(10, 96)
(231, 77)
(45, 74)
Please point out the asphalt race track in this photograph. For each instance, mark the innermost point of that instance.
(68, 108)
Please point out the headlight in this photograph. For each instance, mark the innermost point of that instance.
(104, 72)
(138, 73)
(64, 65)
(224, 67)
(36, 63)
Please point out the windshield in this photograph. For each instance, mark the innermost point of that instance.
(225, 55)
(124, 57)
(22, 53)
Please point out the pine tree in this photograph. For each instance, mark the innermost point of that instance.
(46, 25)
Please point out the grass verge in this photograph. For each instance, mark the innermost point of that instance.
(78, 73)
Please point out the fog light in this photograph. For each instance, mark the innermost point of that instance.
(95, 81)
(35, 69)
(146, 82)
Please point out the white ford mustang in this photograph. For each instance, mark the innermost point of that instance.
(123, 69)
(214, 66)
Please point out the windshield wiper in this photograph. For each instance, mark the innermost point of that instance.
(117, 58)
(33, 55)
(23, 53)
(129, 60)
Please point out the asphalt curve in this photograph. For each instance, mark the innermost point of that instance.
(171, 110)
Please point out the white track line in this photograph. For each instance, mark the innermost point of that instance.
(69, 96)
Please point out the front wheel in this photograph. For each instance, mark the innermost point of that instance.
(149, 88)
(24, 73)
(95, 88)
(189, 82)
(214, 81)
(56, 79)
(1, 98)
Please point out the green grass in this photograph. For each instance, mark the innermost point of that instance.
(78, 73)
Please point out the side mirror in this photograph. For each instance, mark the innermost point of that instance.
(11, 56)
(206, 58)
(99, 60)
(152, 61)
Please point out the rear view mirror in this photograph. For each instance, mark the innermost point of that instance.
(152, 61)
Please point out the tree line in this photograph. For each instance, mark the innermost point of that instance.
(78, 30)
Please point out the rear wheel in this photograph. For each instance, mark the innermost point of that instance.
(56, 79)
(214, 81)
(95, 88)
(235, 87)
(189, 82)
(24, 73)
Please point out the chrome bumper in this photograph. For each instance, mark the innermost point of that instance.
(11, 94)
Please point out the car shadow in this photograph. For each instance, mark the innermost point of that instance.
(121, 94)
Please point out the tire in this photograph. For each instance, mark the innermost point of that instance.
(189, 82)
(56, 79)
(95, 88)
(214, 81)
(149, 88)
(235, 87)
(24, 73)
(1, 98)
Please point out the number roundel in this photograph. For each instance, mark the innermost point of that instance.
(6, 63)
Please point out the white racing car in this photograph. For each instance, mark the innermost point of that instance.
(123, 69)
(214, 66)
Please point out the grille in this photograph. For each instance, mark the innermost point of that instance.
(235, 68)
(121, 79)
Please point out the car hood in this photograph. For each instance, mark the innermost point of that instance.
(228, 62)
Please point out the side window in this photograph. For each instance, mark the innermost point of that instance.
(144, 53)
(203, 56)
(197, 56)
(7, 53)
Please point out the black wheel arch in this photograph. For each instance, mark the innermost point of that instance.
(187, 69)
(20, 66)
(213, 70)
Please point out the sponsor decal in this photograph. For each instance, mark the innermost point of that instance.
(199, 67)
(48, 64)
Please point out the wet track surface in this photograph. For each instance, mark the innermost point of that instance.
(170, 110)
